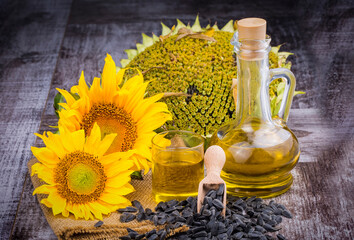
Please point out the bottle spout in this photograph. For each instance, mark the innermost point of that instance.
(250, 41)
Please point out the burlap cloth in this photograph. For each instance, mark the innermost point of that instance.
(69, 228)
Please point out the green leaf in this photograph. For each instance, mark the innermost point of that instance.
(131, 53)
(180, 25)
(280, 88)
(196, 26)
(140, 47)
(137, 175)
(229, 27)
(165, 30)
(299, 92)
(124, 62)
(147, 41)
(58, 99)
(155, 38)
(191, 141)
(275, 49)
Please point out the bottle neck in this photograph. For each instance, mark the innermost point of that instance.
(252, 93)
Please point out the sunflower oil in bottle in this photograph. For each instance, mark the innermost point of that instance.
(177, 175)
(260, 150)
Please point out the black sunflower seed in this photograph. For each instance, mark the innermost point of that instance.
(155, 219)
(286, 214)
(152, 232)
(98, 224)
(161, 206)
(238, 235)
(140, 236)
(162, 221)
(163, 235)
(128, 209)
(133, 235)
(153, 237)
(223, 236)
(260, 229)
(280, 237)
(138, 205)
(269, 228)
(278, 219)
(125, 238)
(172, 203)
(218, 204)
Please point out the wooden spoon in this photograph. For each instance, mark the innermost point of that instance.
(214, 160)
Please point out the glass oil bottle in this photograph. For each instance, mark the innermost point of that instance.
(260, 150)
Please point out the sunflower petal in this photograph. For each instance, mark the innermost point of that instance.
(46, 203)
(45, 156)
(43, 172)
(119, 180)
(58, 202)
(44, 189)
(113, 198)
(105, 144)
(114, 157)
(109, 78)
(68, 97)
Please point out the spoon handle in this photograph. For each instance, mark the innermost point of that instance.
(214, 160)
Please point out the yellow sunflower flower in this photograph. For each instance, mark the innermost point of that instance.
(79, 177)
(123, 111)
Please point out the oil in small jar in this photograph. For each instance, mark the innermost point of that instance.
(176, 174)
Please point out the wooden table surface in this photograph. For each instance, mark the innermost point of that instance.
(46, 44)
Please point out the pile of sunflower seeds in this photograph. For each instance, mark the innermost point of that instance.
(246, 218)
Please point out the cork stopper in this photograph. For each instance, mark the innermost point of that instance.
(252, 28)
(252, 33)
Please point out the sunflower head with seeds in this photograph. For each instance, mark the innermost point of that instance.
(79, 175)
(194, 68)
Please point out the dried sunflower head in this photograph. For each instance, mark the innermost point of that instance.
(198, 71)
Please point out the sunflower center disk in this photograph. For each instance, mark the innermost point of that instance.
(112, 119)
(80, 177)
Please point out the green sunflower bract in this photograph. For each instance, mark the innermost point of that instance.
(199, 72)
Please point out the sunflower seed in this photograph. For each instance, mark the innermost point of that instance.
(152, 232)
(260, 229)
(270, 228)
(218, 204)
(98, 224)
(280, 237)
(172, 203)
(163, 235)
(286, 214)
(223, 236)
(125, 238)
(140, 216)
(238, 235)
(153, 237)
(128, 209)
(138, 205)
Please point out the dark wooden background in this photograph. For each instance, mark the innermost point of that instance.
(45, 44)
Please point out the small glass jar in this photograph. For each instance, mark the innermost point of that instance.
(178, 165)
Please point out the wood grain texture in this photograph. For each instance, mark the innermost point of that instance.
(28, 57)
(320, 34)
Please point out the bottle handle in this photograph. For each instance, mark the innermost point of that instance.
(289, 90)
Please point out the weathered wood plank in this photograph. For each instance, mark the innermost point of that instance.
(322, 196)
(30, 37)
